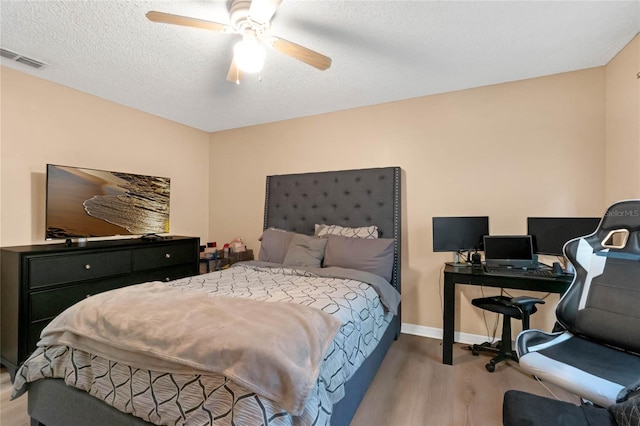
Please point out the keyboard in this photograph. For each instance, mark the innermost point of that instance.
(518, 272)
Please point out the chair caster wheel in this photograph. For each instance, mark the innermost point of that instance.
(474, 352)
(490, 367)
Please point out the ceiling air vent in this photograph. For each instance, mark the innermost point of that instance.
(8, 54)
(22, 59)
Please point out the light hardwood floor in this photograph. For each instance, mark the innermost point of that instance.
(412, 388)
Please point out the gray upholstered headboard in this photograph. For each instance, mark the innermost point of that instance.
(353, 198)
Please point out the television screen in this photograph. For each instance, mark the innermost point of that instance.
(551, 233)
(85, 203)
(459, 233)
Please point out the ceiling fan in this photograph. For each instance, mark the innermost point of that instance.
(250, 19)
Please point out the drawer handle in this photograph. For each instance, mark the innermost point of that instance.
(167, 279)
(168, 255)
(87, 266)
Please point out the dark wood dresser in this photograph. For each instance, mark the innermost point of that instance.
(40, 281)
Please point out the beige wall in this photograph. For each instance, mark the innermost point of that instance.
(509, 151)
(623, 124)
(45, 123)
(533, 147)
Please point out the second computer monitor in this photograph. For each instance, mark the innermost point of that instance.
(551, 233)
(459, 234)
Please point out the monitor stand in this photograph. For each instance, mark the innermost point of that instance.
(81, 242)
(457, 261)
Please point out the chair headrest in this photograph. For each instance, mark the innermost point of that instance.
(617, 235)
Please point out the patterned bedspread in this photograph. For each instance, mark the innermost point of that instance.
(180, 399)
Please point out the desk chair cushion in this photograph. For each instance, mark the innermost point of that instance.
(593, 371)
(602, 302)
(511, 307)
(524, 409)
(597, 356)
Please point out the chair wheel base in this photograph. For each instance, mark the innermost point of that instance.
(490, 367)
(476, 349)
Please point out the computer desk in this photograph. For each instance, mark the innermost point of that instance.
(475, 276)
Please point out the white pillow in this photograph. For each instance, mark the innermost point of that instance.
(367, 232)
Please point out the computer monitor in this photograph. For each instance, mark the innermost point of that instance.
(458, 234)
(551, 233)
(514, 251)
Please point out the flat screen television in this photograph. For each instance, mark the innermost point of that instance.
(458, 234)
(551, 233)
(84, 203)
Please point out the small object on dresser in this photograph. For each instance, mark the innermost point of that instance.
(212, 250)
(208, 251)
(237, 245)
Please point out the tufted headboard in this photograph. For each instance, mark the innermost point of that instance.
(353, 198)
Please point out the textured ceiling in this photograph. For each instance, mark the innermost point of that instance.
(381, 50)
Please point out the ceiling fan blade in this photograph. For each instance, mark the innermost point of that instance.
(167, 18)
(263, 10)
(234, 75)
(300, 53)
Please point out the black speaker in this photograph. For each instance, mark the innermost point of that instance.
(557, 269)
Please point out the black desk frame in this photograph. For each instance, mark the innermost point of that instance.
(475, 276)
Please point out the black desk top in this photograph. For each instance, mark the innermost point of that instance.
(477, 276)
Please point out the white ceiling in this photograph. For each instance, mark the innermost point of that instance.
(381, 50)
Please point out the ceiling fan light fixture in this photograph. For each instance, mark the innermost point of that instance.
(252, 20)
(249, 55)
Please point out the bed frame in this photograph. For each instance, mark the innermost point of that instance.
(295, 202)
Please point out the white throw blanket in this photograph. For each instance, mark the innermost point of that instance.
(273, 349)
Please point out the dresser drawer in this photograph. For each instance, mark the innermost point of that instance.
(168, 274)
(60, 269)
(49, 303)
(37, 282)
(163, 256)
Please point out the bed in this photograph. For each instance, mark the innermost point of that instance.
(297, 203)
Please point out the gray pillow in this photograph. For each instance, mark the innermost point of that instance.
(369, 255)
(274, 244)
(305, 251)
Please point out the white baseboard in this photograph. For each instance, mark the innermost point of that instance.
(436, 333)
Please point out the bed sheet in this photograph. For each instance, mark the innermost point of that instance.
(177, 399)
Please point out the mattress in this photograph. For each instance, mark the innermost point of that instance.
(205, 399)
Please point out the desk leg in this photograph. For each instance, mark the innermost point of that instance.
(449, 319)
